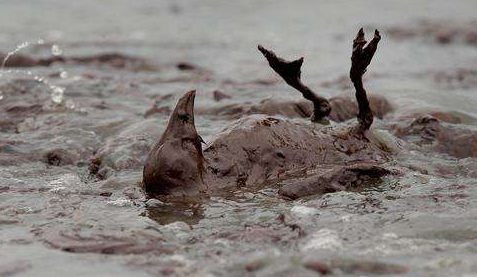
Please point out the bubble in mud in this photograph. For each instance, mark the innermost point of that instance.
(70, 104)
(180, 260)
(68, 179)
(179, 230)
(324, 239)
(60, 190)
(154, 203)
(57, 95)
(390, 236)
(9, 54)
(24, 210)
(121, 202)
(22, 45)
(64, 184)
(303, 211)
(63, 74)
(178, 226)
(347, 218)
(55, 50)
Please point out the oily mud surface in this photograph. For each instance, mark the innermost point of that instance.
(74, 136)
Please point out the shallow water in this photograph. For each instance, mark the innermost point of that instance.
(55, 218)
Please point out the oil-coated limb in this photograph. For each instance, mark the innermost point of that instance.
(360, 59)
(290, 72)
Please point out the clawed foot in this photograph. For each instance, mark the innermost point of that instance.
(290, 71)
(360, 59)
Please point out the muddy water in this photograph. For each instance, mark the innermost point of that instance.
(58, 219)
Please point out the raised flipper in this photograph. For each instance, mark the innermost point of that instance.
(291, 74)
(175, 164)
(360, 59)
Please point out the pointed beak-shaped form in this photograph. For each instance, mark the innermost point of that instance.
(185, 107)
(175, 163)
(181, 122)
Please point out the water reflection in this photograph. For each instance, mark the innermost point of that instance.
(188, 210)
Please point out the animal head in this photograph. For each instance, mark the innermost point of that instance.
(181, 123)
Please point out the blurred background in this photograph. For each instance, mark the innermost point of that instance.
(419, 37)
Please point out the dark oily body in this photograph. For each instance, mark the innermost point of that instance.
(261, 150)
(254, 151)
(303, 159)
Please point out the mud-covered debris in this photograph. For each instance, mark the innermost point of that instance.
(104, 244)
(440, 32)
(59, 157)
(318, 266)
(115, 60)
(218, 95)
(460, 78)
(185, 66)
(155, 109)
(338, 178)
(430, 133)
(326, 266)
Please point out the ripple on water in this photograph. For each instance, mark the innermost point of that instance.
(323, 239)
